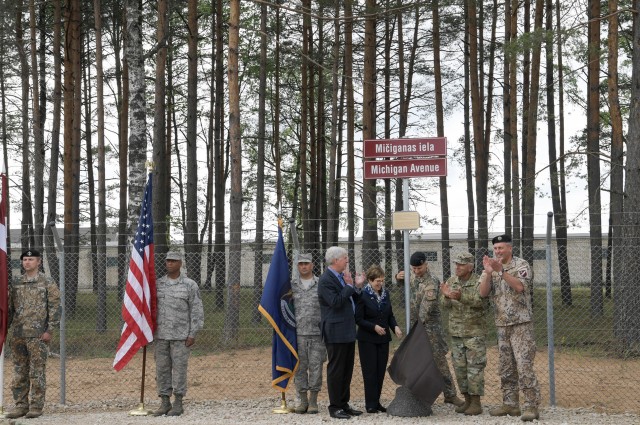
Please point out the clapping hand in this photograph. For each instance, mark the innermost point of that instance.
(360, 279)
(491, 264)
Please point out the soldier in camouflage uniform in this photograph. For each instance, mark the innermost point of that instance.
(507, 280)
(180, 317)
(468, 330)
(34, 312)
(425, 305)
(311, 349)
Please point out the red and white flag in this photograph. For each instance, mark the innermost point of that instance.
(139, 303)
(4, 266)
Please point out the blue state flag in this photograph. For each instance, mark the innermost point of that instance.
(277, 306)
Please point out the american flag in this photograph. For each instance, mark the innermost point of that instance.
(139, 303)
(4, 268)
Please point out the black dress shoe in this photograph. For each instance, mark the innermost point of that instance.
(380, 408)
(372, 410)
(339, 414)
(352, 412)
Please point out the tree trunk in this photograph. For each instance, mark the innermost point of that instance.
(219, 164)
(370, 250)
(262, 139)
(49, 244)
(559, 214)
(481, 148)
(506, 115)
(191, 243)
(161, 150)
(593, 158)
(38, 134)
(471, 220)
(232, 318)
(351, 179)
(26, 233)
(617, 144)
(626, 320)
(72, 108)
(444, 201)
(334, 195)
(101, 300)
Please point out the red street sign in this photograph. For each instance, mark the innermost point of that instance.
(426, 146)
(403, 168)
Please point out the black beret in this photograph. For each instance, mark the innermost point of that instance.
(418, 259)
(30, 253)
(501, 238)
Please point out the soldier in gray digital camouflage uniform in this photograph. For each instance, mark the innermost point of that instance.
(180, 317)
(34, 312)
(507, 280)
(311, 349)
(468, 331)
(425, 305)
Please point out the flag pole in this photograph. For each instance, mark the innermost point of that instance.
(283, 405)
(3, 414)
(141, 411)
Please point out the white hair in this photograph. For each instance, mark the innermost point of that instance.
(334, 253)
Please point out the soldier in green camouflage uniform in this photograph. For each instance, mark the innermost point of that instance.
(425, 305)
(507, 280)
(180, 317)
(468, 330)
(311, 350)
(34, 312)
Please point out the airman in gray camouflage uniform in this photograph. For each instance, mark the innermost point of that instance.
(468, 330)
(311, 350)
(180, 317)
(507, 279)
(34, 312)
(425, 305)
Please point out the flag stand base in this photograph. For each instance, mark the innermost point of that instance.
(140, 411)
(283, 406)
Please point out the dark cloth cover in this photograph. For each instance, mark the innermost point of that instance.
(413, 366)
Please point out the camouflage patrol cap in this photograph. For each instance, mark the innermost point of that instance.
(174, 255)
(501, 238)
(30, 253)
(304, 258)
(463, 258)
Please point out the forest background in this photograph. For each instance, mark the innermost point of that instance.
(245, 109)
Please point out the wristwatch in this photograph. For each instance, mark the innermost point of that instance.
(500, 273)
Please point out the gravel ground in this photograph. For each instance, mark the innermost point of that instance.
(259, 411)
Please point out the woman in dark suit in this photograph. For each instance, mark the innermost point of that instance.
(375, 320)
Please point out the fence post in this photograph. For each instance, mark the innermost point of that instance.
(63, 315)
(550, 329)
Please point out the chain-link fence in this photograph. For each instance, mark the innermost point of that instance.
(232, 355)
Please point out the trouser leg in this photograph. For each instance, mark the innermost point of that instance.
(21, 361)
(180, 362)
(38, 352)
(162, 354)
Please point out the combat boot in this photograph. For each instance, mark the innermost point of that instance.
(313, 402)
(465, 406)
(17, 412)
(454, 400)
(505, 410)
(176, 409)
(475, 408)
(33, 412)
(530, 413)
(165, 406)
(303, 404)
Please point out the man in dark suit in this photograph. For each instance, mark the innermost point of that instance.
(338, 294)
